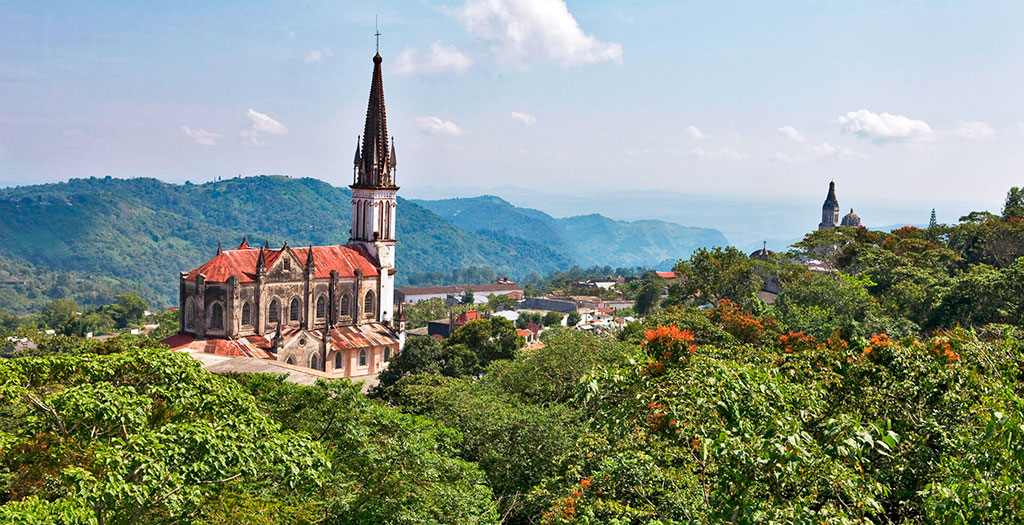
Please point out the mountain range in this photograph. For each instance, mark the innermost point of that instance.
(587, 240)
(88, 239)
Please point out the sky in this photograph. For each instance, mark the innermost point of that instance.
(917, 103)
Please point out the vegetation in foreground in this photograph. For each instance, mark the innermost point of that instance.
(890, 391)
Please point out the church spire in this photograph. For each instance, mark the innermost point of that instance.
(374, 160)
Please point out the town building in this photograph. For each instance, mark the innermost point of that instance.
(481, 292)
(328, 308)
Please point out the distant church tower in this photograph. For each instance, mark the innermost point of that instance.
(830, 210)
(373, 193)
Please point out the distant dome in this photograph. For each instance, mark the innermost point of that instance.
(851, 219)
(762, 254)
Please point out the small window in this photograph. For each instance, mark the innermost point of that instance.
(344, 305)
(337, 360)
(190, 314)
(289, 361)
(216, 317)
(246, 314)
(314, 362)
(321, 308)
(387, 354)
(362, 358)
(368, 303)
(293, 310)
(287, 264)
(275, 312)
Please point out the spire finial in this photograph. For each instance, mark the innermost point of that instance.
(219, 248)
(376, 33)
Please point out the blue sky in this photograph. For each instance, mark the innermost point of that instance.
(906, 101)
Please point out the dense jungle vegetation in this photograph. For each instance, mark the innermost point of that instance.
(889, 389)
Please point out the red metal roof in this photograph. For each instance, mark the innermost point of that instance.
(666, 275)
(242, 263)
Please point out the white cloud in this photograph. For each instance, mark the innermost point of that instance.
(259, 124)
(792, 133)
(315, 55)
(435, 125)
(974, 130)
(883, 127)
(525, 118)
(782, 157)
(828, 150)
(722, 154)
(288, 32)
(440, 59)
(201, 136)
(693, 132)
(522, 31)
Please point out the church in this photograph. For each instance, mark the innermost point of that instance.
(830, 212)
(327, 308)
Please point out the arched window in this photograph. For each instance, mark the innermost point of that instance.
(287, 264)
(337, 360)
(321, 307)
(190, 314)
(289, 361)
(368, 303)
(246, 314)
(362, 358)
(344, 309)
(387, 354)
(274, 316)
(216, 317)
(314, 362)
(293, 310)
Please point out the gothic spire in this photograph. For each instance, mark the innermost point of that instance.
(831, 201)
(244, 245)
(309, 257)
(374, 163)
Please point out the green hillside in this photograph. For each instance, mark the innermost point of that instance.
(587, 239)
(103, 236)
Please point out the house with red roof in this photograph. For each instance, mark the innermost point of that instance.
(328, 308)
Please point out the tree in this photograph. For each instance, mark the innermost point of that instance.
(719, 274)
(552, 319)
(145, 435)
(499, 302)
(932, 223)
(488, 339)
(467, 297)
(59, 313)
(573, 319)
(647, 298)
(1013, 208)
(426, 355)
(129, 309)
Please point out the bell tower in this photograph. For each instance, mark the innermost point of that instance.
(830, 209)
(374, 193)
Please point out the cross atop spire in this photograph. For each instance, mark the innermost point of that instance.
(377, 33)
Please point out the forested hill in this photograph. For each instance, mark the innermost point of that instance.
(90, 238)
(587, 239)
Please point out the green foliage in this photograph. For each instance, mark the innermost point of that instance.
(552, 319)
(467, 352)
(467, 297)
(387, 467)
(573, 319)
(718, 274)
(140, 435)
